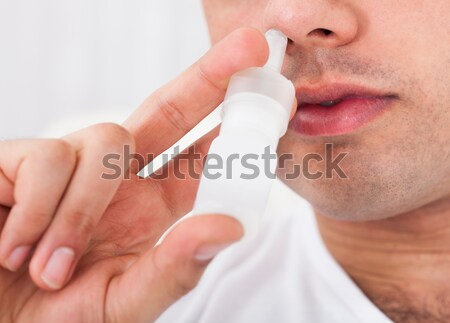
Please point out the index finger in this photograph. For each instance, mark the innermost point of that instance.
(172, 111)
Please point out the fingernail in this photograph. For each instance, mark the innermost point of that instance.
(17, 257)
(58, 267)
(208, 252)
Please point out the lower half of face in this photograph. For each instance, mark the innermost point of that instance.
(377, 94)
(392, 166)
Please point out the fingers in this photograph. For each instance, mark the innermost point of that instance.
(82, 206)
(59, 196)
(173, 110)
(40, 171)
(164, 274)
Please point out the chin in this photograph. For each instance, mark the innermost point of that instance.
(349, 200)
(370, 191)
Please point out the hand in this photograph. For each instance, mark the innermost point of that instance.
(78, 248)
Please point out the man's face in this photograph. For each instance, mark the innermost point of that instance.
(389, 61)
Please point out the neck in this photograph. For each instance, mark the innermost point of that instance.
(402, 263)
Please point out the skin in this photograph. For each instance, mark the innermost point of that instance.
(119, 276)
(388, 224)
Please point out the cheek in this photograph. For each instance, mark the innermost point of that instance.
(411, 34)
(224, 16)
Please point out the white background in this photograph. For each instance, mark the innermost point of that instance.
(67, 63)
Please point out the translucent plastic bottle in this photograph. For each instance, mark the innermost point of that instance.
(238, 174)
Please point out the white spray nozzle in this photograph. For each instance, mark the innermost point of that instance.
(277, 49)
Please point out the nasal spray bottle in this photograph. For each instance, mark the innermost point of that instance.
(241, 163)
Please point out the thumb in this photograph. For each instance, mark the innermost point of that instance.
(170, 270)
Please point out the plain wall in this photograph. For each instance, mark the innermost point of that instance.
(65, 61)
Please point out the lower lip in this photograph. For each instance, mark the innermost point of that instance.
(342, 118)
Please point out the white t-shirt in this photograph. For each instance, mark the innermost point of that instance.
(284, 275)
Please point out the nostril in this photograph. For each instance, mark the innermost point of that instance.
(320, 32)
(290, 46)
(326, 32)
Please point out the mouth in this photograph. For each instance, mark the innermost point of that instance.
(331, 110)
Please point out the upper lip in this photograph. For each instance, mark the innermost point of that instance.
(332, 92)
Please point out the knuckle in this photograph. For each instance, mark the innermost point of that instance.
(177, 288)
(174, 114)
(81, 222)
(112, 136)
(178, 283)
(37, 220)
(55, 151)
(182, 286)
(31, 227)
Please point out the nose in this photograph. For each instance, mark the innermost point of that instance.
(313, 23)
